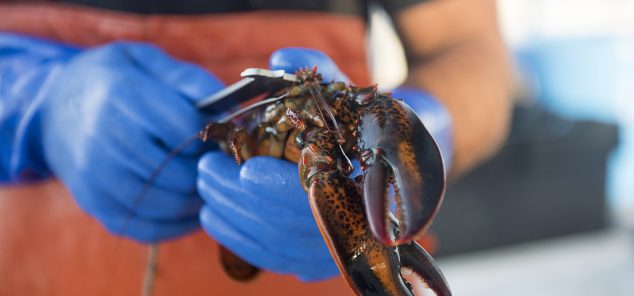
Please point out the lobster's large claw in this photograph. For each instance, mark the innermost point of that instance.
(395, 147)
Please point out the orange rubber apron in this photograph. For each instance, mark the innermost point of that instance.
(48, 246)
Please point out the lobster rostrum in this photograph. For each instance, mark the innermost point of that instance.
(321, 127)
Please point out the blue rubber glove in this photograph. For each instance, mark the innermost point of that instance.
(104, 121)
(26, 65)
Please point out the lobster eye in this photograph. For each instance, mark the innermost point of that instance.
(365, 98)
(300, 139)
(346, 168)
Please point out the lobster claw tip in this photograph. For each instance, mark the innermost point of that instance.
(375, 198)
(418, 203)
(414, 257)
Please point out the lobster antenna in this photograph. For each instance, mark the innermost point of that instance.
(154, 175)
(321, 104)
(150, 271)
(251, 108)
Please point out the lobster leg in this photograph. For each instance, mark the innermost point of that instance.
(236, 267)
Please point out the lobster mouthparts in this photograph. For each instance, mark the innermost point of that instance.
(396, 149)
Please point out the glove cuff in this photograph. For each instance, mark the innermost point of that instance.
(27, 66)
(434, 116)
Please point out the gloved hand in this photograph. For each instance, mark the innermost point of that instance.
(107, 117)
(259, 210)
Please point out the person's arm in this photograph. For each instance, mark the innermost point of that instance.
(455, 52)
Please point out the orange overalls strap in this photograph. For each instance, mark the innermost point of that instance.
(48, 246)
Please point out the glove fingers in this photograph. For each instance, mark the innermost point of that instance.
(222, 168)
(281, 177)
(178, 174)
(271, 234)
(243, 245)
(248, 249)
(293, 58)
(148, 231)
(137, 98)
(275, 218)
(165, 114)
(278, 179)
(218, 172)
(323, 270)
(120, 221)
(156, 203)
(189, 79)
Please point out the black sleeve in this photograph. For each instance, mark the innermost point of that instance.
(352, 7)
(394, 6)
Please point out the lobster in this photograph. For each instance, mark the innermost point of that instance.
(321, 127)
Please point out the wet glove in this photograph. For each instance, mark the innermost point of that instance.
(259, 209)
(103, 121)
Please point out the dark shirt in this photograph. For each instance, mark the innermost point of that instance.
(354, 7)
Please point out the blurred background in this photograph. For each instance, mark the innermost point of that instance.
(553, 212)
